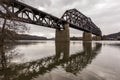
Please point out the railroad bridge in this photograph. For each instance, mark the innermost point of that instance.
(18, 11)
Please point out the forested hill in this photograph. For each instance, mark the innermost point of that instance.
(114, 36)
(30, 37)
(13, 35)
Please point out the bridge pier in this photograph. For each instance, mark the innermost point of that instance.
(63, 35)
(97, 38)
(87, 36)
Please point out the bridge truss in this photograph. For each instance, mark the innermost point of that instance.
(15, 10)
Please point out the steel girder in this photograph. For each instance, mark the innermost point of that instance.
(24, 13)
(79, 21)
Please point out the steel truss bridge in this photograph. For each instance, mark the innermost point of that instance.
(18, 11)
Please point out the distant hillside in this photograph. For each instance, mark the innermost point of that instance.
(13, 35)
(29, 37)
(75, 38)
(114, 36)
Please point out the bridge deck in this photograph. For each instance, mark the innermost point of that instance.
(21, 12)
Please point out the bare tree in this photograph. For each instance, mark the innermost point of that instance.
(8, 25)
(8, 30)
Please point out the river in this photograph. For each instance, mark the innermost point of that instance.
(47, 60)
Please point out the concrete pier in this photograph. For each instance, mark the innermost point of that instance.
(87, 36)
(97, 38)
(63, 35)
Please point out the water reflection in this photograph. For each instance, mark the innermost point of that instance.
(62, 50)
(29, 70)
(80, 60)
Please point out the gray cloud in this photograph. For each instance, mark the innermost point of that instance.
(37, 3)
(104, 13)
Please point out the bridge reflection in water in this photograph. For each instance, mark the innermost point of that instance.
(73, 63)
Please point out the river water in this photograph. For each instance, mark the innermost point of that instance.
(47, 60)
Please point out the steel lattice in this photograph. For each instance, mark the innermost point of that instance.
(21, 12)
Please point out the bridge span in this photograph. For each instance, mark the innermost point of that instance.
(18, 11)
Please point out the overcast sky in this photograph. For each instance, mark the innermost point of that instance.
(104, 13)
